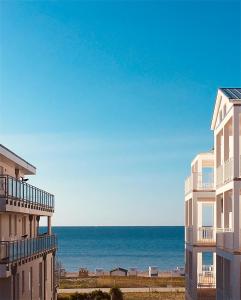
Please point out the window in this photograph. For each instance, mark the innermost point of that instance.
(51, 273)
(40, 281)
(15, 225)
(23, 225)
(17, 289)
(10, 224)
(23, 283)
(31, 283)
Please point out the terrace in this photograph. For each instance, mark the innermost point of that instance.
(12, 251)
(18, 193)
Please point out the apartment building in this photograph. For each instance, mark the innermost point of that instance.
(200, 236)
(226, 126)
(225, 233)
(27, 255)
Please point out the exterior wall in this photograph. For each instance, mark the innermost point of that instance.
(15, 226)
(29, 282)
(27, 268)
(10, 169)
(198, 237)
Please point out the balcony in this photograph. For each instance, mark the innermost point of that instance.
(224, 172)
(225, 238)
(199, 182)
(12, 189)
(206, 235)
(12, 251)
(207, 278)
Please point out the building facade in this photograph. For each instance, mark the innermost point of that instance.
(226, 229)
(27, 255)
(200, 237)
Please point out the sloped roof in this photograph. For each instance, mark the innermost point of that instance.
(9, 155)
(232, 93)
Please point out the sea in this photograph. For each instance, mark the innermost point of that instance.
(115, 246)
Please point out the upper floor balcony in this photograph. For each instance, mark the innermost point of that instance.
(17, 193)
(199, 181)
(203, 235)
(13, 251)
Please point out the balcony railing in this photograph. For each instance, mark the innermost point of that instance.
(11, 251)
(12, 188)
(199, 181)
(207, 278)
(206, 235)
(224, 172)
(228, 170)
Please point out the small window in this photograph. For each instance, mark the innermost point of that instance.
(23, 283)
(15, 225)
(10, 224)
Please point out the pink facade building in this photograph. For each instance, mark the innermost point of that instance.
(27, 255)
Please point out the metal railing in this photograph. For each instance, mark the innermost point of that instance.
(207, 279)
(13, 188)
(206, 235)
(11, 251)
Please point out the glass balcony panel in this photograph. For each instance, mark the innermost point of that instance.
(17, 189)
(15, 250)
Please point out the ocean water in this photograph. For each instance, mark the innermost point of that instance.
(109, 247)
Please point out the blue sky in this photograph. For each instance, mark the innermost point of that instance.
(111, 100)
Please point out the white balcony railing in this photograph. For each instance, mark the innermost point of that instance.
(207, 268)
(199, 181)
(224, 173)
(228, 170)
(207, 277)
(206, 235)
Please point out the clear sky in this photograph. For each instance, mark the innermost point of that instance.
(111, 100)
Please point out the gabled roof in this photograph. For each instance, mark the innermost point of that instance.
(232, 93)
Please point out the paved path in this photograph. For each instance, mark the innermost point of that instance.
(124, 290)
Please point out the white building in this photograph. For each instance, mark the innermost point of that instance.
(200, 235)
(222, 237)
